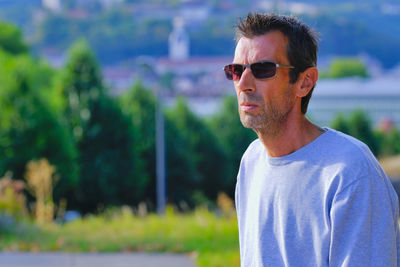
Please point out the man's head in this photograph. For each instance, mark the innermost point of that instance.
(302, 42)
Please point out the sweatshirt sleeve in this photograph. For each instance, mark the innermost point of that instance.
(364, 225)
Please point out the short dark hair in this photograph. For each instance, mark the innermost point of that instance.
(302, 45)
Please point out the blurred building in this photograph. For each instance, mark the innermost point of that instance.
(53, 5)
(378, 97)
(118, 78)
(178, 41)
(192, 76)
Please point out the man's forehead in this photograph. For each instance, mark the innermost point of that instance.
(271, 46)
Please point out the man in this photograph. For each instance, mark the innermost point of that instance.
(305, 195)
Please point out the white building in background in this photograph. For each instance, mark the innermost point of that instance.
(179, 42)
(193, 76)
(53, 5)
(379, 98)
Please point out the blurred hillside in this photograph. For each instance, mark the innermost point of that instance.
(120, 30)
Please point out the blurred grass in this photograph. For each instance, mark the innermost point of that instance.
(210, 239)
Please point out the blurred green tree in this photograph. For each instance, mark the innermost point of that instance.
(340, 123)
(110, 168)
(389, 142)
(346, 67)
(358, 126)
(30, 127)
(182, 177)
(82, 84)
(234, 139)
(139, 104)
(195, 158)
(11, 39)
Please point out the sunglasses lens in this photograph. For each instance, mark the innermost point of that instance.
(233, 71)
(260, 70)
(263, 70)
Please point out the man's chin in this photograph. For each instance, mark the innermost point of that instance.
(251, 122)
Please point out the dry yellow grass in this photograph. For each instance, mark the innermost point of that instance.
(391, 165)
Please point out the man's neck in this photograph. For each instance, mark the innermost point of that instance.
(290, 137)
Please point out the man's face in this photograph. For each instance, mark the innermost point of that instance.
(264, 104)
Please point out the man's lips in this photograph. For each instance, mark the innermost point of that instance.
(246, 106)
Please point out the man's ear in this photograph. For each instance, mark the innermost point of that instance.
(306, 81)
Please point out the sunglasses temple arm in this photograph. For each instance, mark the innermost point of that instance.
(284, 66)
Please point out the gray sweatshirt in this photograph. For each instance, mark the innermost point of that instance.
(327, 204)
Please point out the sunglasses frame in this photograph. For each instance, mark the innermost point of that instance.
(258, 62)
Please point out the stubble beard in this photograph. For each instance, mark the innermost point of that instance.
(271, 121)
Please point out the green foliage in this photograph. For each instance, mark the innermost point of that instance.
(82, 85)
(12, 199)
(234, 139)
(358, 126)
(389, 142)
(139, 104)
(346, 67)
(110, 167)
(340, 123)
(103, 150)
(211, 239)
(11, 39)
(195, 158)
(113, 34)
(202, 158)
(29, 127)
(82, 70)
(111, 170)
(182, 177)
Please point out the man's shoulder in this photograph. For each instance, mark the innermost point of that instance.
(254, 152)
(347, 147)
(354, 156)
(254, 149)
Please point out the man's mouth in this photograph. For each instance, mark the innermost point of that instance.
(247, 106)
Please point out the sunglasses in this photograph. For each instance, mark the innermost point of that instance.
(260, 70)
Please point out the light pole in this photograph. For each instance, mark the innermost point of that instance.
(161, 186)
(160, 155)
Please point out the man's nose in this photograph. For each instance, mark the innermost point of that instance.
(246, 82)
